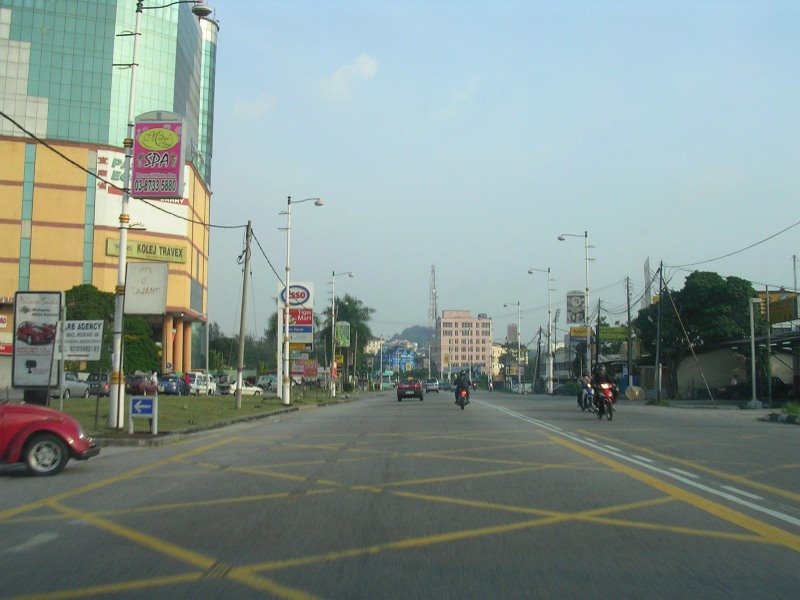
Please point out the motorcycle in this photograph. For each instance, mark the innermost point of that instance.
(463, 398)
(586, 398)
(605, 401)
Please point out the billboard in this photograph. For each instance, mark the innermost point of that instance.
(146, 288)
(36, 316)
(158, 156)
(576, 307)
(343, 334)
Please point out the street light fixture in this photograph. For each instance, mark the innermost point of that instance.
(519, 349)
(116, 392)
(585, 237)
(531, 271)
(286, 388)
(334, 275)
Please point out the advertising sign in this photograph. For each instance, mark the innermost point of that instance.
(301, 295)
(83, 340)
(579, 333)
(146, 288)
(158, 156)
(148, 250)
(301, 328)
(36, 316)
(343, 334)
(576, 305)
(613, 334)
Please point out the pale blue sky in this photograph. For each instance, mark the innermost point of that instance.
(469, 134)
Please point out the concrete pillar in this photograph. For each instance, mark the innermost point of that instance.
(166, 344)
(187, 346)
(177, 347)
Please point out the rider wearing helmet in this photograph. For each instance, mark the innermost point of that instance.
(462, 384)
(599, 377)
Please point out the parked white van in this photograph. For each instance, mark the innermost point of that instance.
(201, 383)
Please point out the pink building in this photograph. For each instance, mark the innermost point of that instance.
(462, 341)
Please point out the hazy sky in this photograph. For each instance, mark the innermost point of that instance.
(467, 135)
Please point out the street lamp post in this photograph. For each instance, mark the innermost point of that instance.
(549, 329)
(585, 237)
(334, 274)
(754, 400)
(116, 392)
(519, 349)
(286, 388)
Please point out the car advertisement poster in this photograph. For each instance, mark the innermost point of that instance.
(36, 316)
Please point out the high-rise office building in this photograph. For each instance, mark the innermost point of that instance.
(65, 77)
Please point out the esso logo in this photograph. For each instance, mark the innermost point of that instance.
(298, 295)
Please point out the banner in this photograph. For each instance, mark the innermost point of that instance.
(158, 156)
(343, 334)
(613, 334)
(576, 305)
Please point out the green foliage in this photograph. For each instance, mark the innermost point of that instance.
(792, 408)
(712, 310)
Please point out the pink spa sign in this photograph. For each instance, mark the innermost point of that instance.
(158, 156)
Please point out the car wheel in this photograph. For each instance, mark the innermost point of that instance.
(257, 393)
(66, 394)
(86, 393)
(45, 454)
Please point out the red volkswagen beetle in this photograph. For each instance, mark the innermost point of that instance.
(41, 438)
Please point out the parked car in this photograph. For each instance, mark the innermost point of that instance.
(432, 385)
(247, 389)
(99, 384)
(201, 383)
(409, 388)
(36, 333)
(41, 438)
(140, 385)
(74, 387)
(170, 384)
(267, 382)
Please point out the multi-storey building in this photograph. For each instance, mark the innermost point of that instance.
(65, 77)
(462, 342)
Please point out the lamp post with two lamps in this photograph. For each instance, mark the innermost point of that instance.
(115, 412)
(531, 271)
(586, 247)
(334, 275)
(286, 388)
(519, 349)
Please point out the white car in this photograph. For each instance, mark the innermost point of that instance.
(201, 383)
(247, 390)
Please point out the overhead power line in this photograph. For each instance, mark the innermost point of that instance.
(110, 183)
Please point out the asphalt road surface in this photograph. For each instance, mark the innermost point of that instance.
(514, 497)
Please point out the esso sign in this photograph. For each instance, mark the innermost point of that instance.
(299, 295)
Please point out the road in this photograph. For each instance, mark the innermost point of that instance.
(514, 497)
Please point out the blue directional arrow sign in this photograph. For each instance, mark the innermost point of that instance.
(142, 406)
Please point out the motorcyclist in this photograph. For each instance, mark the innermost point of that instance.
(462, 384)
(600, 376)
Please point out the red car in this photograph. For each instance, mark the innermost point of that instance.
(36, 333)
(410, 388)
(41, 438)
(140, 385)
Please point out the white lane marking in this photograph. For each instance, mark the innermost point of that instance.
(644, 465)
(612, 448)
(643, 458)
(684, 473)
(40, 539)
(742, 492)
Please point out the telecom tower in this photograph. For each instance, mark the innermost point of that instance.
(433, 311)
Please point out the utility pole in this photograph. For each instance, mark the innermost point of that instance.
(243, 318)
(658, 331)
(630, 336)
(597, 337)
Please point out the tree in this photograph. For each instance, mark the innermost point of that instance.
(353, 311)
(86, 302)
(712, 310)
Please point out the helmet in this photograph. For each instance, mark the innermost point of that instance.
(601, 369)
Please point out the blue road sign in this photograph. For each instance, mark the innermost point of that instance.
(142, 406)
